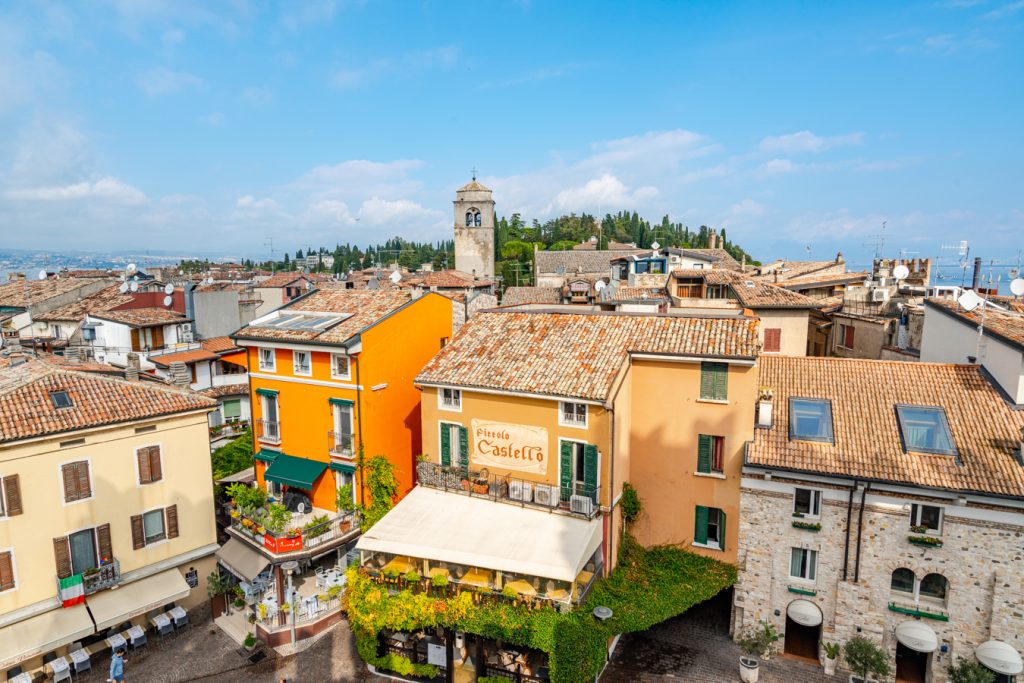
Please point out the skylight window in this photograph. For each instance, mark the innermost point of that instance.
(60, 399)
(924, 429)
(810, 419)
(306, 321)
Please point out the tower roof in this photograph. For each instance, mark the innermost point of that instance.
(474, 186)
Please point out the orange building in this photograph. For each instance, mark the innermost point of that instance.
(333, 371)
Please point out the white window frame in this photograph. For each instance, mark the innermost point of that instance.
(337, 417)
(338, 483)
(163, 520)
(915, 518)
(456, 394)
(811, 566)
(295, 363)
(265, 367)
(92, 482)
(572, 466)
(562, 405)
(348, 366)
(14, 570)
(916, 596)
(716, 542)
(816, 497)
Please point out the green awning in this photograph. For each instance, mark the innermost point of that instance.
(340, 402)
(267, 455)
(292, 471)
(341, 467)
(266, 392)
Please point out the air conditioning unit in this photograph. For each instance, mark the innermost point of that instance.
(546, 495)
(879, 295)
(520, 490)
(581, 504)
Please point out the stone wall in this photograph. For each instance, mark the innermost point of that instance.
(982, 559)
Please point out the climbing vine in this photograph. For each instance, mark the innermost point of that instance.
(379, 474)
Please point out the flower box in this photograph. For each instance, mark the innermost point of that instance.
(927, 541)
(801, 591)
(917, 612)
(807, 526)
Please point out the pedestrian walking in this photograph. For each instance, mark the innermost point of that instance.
(117, 668)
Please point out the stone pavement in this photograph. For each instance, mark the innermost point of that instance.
(696, 648)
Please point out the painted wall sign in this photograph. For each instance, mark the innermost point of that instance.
(509, 446)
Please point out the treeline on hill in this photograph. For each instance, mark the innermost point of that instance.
(514, 242)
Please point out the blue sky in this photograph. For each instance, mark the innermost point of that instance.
(213, 126)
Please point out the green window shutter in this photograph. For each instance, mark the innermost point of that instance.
(446, 445)
(714, 381)
(232, 409)
(721, 529)
(721, 381)
(707, 381)
(590, 470)
(464, 450)
(565, 480)
(705, 444)
(700, 527)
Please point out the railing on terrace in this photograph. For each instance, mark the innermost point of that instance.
(293, 539)
(483, 595)
(340, 444)
(307, 612)
(101, 578)
(582, 501)
(230, 428)
(268, 431)
(517, 676)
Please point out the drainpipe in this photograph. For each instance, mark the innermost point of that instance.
(359, 424)
(860, 530)
(846, 545)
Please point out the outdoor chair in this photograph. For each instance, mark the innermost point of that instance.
(49, 657)
(82, 666)
(166, 630)
(181, 623)
(139, 642)
(63, 675)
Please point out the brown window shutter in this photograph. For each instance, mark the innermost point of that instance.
(773, 340)
(138, 533)
(155, 466)
(158, 337)
(172, 521)
(62, 555)
(145, 471)
(6, 571)
(103, 541)
(135, 341)
(84, 486)
(70, 482)
(12, 494)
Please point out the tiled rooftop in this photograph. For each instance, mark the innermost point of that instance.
(515, 296)
(576, 354)
(286, 279)
(364, 308)
(808, 281)
(225, 390)
(20, 293)
(103, 300)
(1005, 325)
(750, 293)
(219, 344)
(143, 317)
(863, 393)
(580, 261)
(638, 293)
(187, 356)
(27, 410)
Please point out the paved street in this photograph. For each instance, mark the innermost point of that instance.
(695, 647)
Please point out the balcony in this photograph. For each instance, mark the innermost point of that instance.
(340, 445)
(507, 489)
(268, 431)
(101, 578)
(318, 530)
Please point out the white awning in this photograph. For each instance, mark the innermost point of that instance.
(42, 633)
(917, 636)
(1000, 657)
(804, 612)
(450, 527)
(129, 600)
(242, 560)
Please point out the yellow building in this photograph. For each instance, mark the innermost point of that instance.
(104, 484)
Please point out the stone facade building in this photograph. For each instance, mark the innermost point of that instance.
(474, 230)
(886, 500)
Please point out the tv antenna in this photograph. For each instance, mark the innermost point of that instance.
(879, 243)
(269, 242)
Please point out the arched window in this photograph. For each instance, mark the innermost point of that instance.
(934, 586)
(476, 219)
(903, 581)
(469, 218)
(473, 218)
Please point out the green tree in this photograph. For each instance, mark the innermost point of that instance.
(232, 457)
(865, 659)
(966, 671)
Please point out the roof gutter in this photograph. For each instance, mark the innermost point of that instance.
(502, 392)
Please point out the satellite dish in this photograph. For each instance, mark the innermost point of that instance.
(168, 301)
(309, 286)
(168, 288)
(655, 246)
(969, 300)
(123, 287)
(209, 280)
(1017, 286)
(134, 286)
(42, 274)
(130, 269)
(901, 272)
(599, 285)
(395, 277)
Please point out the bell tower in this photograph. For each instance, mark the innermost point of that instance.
(474, 230)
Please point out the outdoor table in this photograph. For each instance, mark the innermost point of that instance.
(116, 642)
(336, 580)
(136, 632)
(522, 587)
(438, 571)
(58, 665)
(24, 677)
(477, 577)
(558, 594)
(400, 564)
(160, 621)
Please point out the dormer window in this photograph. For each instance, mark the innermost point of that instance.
(810, 419)
(924, 429)
(60, 399)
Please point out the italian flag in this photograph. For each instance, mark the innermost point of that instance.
(72, 590)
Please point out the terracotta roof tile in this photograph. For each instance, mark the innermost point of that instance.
(517, 296)
(576, 354)
(219, 344)
(27, 410)
(750, 293)
(820, 280)
(285, 279)
(225, 390)
(574, 262)
(187, 356)
(19, 293)
(142, 317)
(863, 394)
(1007, 325)
(103, 300)
(638, 293)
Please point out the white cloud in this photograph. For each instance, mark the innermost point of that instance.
(172, 37)
(746, 208)
(777, 167)
(352, 76)
(163, 81)
(213, 118)
(806, 141)
(306, 13)
(544, 73)
(377, 211)
(604, 191)
(110, 189)
(252, 204)
(1006, 10)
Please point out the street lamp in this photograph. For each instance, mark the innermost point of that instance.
(289, 567)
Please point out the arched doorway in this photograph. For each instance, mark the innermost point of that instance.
(914, 644)
(1001, 659)
(803, 629)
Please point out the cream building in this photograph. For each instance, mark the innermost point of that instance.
(886, 500)
(104, 484)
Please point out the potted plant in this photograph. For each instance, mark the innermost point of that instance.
(831, 655)
(865, 660)
(757, 642)
(966, 671)
(262, 609)
(250, 641)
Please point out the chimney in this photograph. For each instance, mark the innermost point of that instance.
(180, 375)
(131, 374)
(976, 280)
(134, 362)
(72, 355)
(764, 408)
(839, 257)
